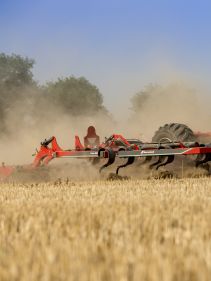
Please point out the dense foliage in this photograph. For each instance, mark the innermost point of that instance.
(75, 95)
(24, 102)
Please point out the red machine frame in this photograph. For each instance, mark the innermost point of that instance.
(116, 146)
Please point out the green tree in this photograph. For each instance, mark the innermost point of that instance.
(76, 96)
(15, 71)
(15, 77)
(24, 103)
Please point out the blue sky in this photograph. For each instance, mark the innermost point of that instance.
(119, 45)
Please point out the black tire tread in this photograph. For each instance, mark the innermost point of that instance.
(175, 132)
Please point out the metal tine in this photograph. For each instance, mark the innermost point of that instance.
(206, 159)
(111, 159)
(156, 163)
(169, 160)
(130, 161)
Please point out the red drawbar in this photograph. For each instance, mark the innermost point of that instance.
(45, 153)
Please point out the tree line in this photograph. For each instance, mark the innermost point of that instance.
(20, 94)
(18, 89)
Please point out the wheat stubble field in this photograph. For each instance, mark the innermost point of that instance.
(120, 230)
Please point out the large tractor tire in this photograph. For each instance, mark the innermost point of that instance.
(174, 132)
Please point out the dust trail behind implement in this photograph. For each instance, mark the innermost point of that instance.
(173, 104)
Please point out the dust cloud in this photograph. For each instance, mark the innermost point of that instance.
(22, 139)
(174, 103)
(30, 123)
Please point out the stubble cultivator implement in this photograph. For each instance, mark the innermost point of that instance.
(155, 154)
(118, 147)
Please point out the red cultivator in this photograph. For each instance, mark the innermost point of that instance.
(118, 147)
(155, 154)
